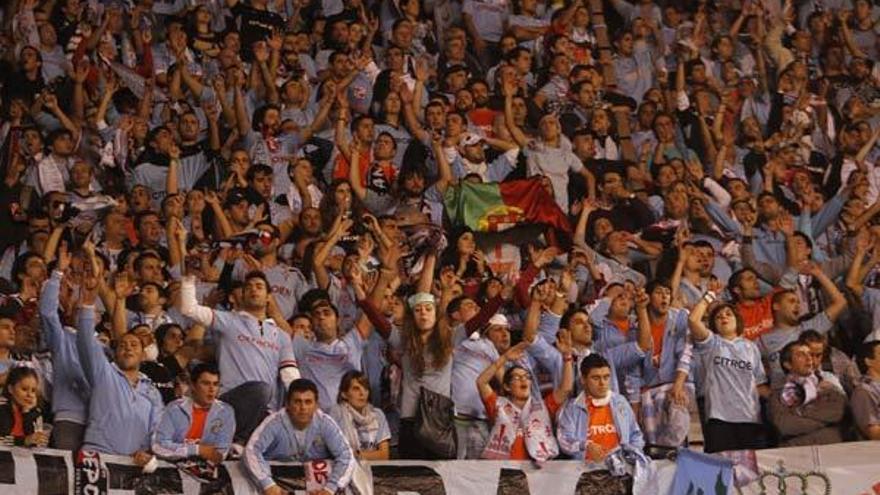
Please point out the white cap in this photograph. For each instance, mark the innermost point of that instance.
(498, 320)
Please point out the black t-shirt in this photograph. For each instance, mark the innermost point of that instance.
(254, 25)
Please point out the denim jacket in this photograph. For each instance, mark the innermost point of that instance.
(573, 423)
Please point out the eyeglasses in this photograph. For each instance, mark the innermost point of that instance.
(519, 378)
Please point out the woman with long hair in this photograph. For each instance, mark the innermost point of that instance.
(424, 346)
(21, 417)
(339, 201)
(363, 425)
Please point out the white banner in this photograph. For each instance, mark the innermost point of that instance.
(850, 468)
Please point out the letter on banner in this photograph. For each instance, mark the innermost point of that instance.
(395, 480)
(513, 482)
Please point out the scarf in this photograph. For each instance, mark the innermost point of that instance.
(354, 423)
(533, 420)
(480, 169)
(800, 390)
(604, 401)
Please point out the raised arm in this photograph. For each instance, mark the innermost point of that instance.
(426, 278)
(51, 104)
(695, 320)
(645, 338)
(341, 227)
(324, 106)
(243, 120)
(858, 268)
(566, 384)
(446, 178)
(485, 378)
(223, 223)
(261, 62)
(509, 90)
(837, 301)
(49, 319)
(189, 305)
(354, 170)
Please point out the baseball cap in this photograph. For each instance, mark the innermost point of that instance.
(235, 197)
(452, 69)
(498, 320)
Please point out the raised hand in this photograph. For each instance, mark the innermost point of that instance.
(211, 198)
(261, 51)
(81, 71)
(50, 101)
(448, 278)
(563, 342)
(516, 352)
(544, 257)
(64, 257)
(642, 298)
(275, 42)
(123, 286)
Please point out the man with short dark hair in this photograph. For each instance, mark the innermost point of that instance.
(595, 422)
(201, 426)
(866, 396)
(253, 348)
(300, 432)
(124, 405)
(810, 406)
(787, 324)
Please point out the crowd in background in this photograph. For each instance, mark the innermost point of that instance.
(226, 228)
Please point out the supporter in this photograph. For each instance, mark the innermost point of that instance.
(20, 414)
(865, 400)
(734, 379)
(788, 325)
(333, 353)
(299, 432)
(523, 431)
(369, 157)
(807, 410)
(250, 366)
(666, 375)
(201, 426)
(70, 391)
(827, 358)
(364, 426)
(598, 420)
(128, 400)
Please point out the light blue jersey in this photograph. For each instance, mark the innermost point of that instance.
(326, 363)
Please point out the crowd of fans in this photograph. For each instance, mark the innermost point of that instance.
(225, 232)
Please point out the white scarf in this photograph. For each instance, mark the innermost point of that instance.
(534, 422)
(354, 422)
(480, 169)
(604, 401)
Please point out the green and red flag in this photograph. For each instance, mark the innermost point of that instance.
(494, 207)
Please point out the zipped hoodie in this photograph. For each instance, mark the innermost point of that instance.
(121, 417)
(274, 440)
(169, 438)
(573, 425)
(70, 389)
